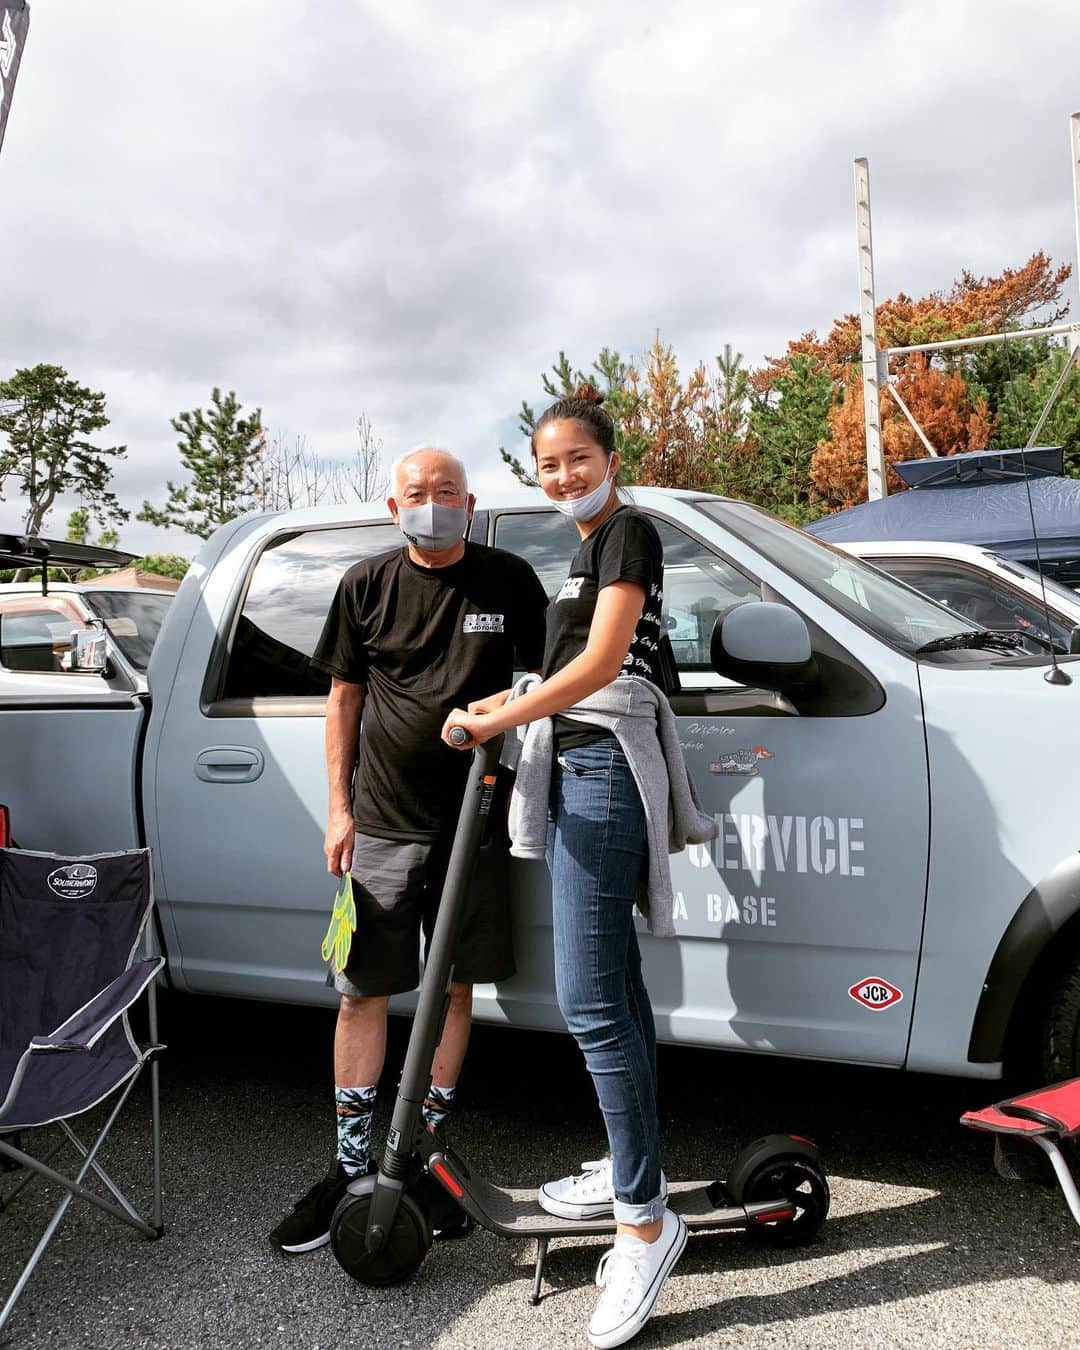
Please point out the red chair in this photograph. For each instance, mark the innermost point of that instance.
(1047, 1118)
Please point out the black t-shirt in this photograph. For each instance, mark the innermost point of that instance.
(626, 547)
(425, 640)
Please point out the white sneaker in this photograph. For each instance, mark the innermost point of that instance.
(585, 1196)
(588, 1195)
(632, 1276)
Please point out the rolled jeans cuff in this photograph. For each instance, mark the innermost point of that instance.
(640, 1214)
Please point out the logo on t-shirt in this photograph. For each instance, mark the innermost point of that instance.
(483, 623)
(571, 589)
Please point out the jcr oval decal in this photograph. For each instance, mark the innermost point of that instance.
(875, 993)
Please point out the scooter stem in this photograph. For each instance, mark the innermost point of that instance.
(434, 989)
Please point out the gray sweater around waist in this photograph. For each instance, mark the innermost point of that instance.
(636, 712)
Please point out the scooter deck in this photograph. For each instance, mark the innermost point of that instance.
(516, 1212)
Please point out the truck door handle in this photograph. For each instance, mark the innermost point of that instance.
(228, 764)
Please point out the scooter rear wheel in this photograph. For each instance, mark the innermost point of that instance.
(403, 1252)
(799, 1182)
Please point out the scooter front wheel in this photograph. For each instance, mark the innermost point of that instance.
(406, 1244)
(799, 1182)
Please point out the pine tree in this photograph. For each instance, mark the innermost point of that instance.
(616, 380)
(220, 450)
(47, 418)
(788, 423)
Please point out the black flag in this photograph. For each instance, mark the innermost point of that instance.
(14, 21)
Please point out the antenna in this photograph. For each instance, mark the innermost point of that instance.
(1055, 675)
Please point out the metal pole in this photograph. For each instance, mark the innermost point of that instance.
(1073, 358)
(1074, 126)
(155, 1079)
(1066, 371)
(1010, 334)
(908, 414)
(875, 460)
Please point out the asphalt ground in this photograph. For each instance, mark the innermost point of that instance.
(924, 1246)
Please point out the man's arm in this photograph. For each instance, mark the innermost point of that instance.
(343, 708)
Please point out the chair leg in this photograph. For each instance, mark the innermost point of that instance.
(73, 1187)
(100, 1172)
(155, 1092)
(30, 1176)
(1061, 1170)
(6, 1165)
(35, 1257)
(155, 1132)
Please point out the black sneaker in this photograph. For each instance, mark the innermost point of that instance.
(308, 1226)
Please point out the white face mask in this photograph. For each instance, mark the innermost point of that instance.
(432, 527)
(585, 508)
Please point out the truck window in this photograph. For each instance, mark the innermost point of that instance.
(36, 637)
(133, 618)
(697, 583)
(288, 594)
(985, 600)
(545, 539)
(894, 612)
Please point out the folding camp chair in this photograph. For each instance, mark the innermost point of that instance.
(1049, 1118)
(70, 930)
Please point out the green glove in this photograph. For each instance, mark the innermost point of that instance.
(338, 939)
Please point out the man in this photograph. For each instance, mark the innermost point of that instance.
(411, 634)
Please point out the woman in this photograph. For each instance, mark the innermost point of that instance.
(605, 623)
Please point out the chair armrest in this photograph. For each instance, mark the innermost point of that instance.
(84, 1027)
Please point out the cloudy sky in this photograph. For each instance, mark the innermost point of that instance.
(376, 206)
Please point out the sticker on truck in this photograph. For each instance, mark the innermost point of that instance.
(875, 993)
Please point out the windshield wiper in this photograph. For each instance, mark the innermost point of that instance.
(974, 638)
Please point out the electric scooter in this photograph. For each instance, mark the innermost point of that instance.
(383, 1226)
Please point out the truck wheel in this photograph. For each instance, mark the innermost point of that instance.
(1059, 1041)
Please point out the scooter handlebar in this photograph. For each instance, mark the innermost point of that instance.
(458, 736)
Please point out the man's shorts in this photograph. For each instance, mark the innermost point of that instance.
(396, 886)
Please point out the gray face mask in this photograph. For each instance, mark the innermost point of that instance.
(432, 527)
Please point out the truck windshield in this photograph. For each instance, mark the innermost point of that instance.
(894, 612)
(133, 618)
(1054, 589)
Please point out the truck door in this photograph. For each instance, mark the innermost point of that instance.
(799, 927)
(238, 777)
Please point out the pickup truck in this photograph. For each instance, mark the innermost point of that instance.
(896, 878)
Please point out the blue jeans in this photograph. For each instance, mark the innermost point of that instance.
(597, 848)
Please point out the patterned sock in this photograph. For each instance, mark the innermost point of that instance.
(354, 1108)
(437, 1105)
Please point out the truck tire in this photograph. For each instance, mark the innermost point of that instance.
(1059, 1039)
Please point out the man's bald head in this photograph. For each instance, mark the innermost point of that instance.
(432, 468)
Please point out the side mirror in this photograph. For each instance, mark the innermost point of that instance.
(89, 650)
(1074, 642)
(763, 644)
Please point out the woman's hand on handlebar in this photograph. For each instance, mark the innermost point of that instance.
(489, 704)
(475, 724)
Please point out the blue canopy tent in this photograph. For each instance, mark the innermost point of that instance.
(977, 498)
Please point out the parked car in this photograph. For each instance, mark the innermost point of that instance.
(993, 592)
(896, 879)
(36, 630)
